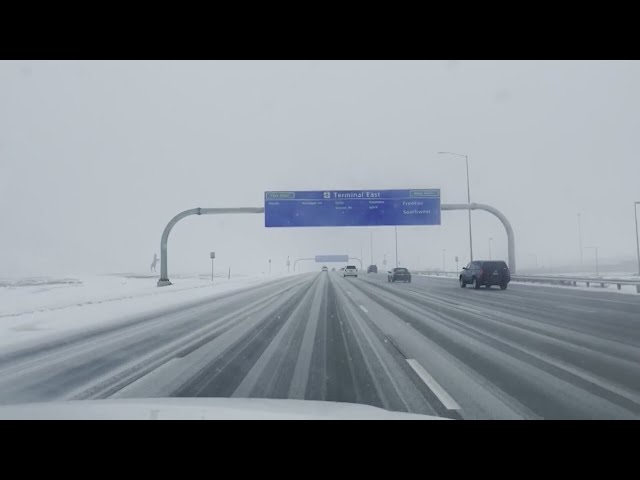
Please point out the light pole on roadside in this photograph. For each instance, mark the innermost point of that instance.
(444, 250)
(580, 240)
(466, 159)
(288, 263)
(212, 255)
(397, 262)
(596, 249)
(490, 238)
(371, 248)
(635, 211)
(457, 269)
(269, 266)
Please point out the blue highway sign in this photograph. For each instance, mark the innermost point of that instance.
(331, 258)
(352, 208)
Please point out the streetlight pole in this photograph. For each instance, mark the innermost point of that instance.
(580, 240)
(371, 248)
(269, 266)
(635, 211)
(397, 263)
(444, 269)
(535, 257)
(490, 238)
(596, 249)
(466, 159)
(213, 256)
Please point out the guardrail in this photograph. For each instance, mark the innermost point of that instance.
(575, 280)
(437, 273)
(555, 280)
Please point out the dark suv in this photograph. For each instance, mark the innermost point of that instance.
(372, 269)
(487, 273)
(399, 275)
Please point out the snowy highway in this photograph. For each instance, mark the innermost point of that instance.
(425, 347)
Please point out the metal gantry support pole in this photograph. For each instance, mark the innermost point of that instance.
(298, 260)
(164, 269)
(511, 243)
(355, 258)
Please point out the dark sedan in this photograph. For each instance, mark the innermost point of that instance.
(399, 275)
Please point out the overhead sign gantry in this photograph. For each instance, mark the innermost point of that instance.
(342, 208)
(352, 208)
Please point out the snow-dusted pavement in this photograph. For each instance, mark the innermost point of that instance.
(423, 347)
(41, 308)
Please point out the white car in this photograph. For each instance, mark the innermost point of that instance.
(350, 271)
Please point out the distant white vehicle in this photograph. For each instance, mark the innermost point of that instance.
(350, 271)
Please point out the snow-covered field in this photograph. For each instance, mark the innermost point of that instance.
(34, 308)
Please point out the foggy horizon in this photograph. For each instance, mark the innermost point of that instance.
(97, 156)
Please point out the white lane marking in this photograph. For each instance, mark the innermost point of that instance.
(443, 396)
(348, 292)
(363, 309)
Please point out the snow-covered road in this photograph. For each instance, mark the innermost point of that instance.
(426, 347)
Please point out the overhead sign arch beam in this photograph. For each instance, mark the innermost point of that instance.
(164, 269)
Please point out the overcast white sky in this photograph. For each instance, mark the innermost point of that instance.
(96, 157)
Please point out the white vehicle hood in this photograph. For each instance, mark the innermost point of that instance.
(201, 409)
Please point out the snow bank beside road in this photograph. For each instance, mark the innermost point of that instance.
(595, 287)
(31, 309)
